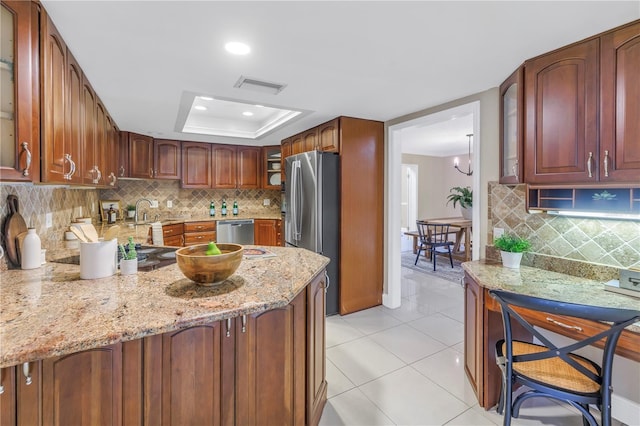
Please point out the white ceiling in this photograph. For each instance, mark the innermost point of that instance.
(378, 60)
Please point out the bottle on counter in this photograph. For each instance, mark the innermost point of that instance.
(30, 252)
(111, 215)
(223, 209)
(212, 209)
(235, 208)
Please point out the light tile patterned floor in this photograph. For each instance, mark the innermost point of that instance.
(405, 366)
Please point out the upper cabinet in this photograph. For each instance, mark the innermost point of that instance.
(223, 166)
(329, 136)
(248, 167)
(581, 106)
(511, 145)
(167, 159)
(272, 166)
(561, 93)
(20, 95)
(620, 105)
(325, 137)
(196, 165)
(152, 158)
(140, 156)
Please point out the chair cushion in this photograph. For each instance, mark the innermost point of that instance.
(554, 371)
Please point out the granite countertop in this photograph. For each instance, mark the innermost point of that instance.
(549, 285)
(50, 311)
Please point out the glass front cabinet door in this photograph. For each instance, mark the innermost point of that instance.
(511, 139)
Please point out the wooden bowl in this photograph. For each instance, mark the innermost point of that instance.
(209, 270)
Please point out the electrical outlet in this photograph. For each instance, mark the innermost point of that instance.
(48, 220)
(498, 232)
(169, 204)
(266, 202)
(154, 204)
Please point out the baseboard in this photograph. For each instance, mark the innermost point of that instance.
(624, 410)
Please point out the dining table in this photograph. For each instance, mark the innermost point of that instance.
(462, 228)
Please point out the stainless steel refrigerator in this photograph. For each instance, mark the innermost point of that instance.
(312, 212)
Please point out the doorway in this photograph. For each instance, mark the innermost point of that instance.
(398, 136)
(409, 203)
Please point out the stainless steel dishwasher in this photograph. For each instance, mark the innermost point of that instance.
(235, 231)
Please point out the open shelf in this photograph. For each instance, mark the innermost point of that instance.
(590, 199)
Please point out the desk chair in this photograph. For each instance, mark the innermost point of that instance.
(434, 238)
(556, 372)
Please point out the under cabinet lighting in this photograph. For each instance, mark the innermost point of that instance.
(595, 215)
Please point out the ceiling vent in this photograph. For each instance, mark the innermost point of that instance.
(256, 85)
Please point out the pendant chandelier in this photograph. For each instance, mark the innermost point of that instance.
(469, 172)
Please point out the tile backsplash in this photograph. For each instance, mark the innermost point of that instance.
(564, 243)
(68, 203)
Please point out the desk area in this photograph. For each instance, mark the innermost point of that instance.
(483, 322)
(462, 228)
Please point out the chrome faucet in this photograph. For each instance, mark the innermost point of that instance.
(135, 217)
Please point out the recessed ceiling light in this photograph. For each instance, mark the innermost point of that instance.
(247, 113)
(259, 106)
(200, 107)
(237, 48)
(205, 98)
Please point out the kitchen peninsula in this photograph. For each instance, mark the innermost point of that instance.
(155, 348)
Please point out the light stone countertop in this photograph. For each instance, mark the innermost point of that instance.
(549, 285)
(50, 311)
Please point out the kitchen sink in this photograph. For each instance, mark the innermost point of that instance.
(149, 257)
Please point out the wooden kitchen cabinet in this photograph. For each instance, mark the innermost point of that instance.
(329, 137)
(123, 154)
(196, 165)
(92, 175)
(20, 137)
(310, 140)
(272, 167)
(316, 349)
(511, 128)
(223, 166)
(270, 365)
(172, 235)
(267, 232)
(167, 159)
(297, 144)
(285, 147)
(8, 396)
(619, 105)
(249, 170)
(561, 94)
(199, 232)
(140, 156)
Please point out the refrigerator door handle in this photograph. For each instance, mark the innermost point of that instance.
(296, 200)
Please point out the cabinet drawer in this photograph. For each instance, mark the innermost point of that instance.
(175, 241)
(199, 238)
(206, 226)
(172, 230)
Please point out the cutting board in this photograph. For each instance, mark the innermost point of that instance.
(13, 226)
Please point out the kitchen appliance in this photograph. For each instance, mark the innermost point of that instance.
(312, 212)
(236, 231)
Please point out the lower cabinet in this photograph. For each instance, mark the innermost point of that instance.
(267, 232)
(199, 232)
(264, 368)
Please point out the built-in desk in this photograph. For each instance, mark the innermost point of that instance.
(483, 321)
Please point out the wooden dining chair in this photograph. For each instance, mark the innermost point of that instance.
(554, 371)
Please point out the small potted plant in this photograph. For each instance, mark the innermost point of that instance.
(511, 249)
(131, 211)
(464, 196)
(129, 260)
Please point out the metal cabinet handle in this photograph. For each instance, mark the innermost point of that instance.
(228, 327)
(244, 323)
(27, 373)
(121, 170)
(589, 164)
(72, 167)
(99, 177)
(606, 163)
(563, 325)
(150, 173)
(25, 148)
(514, 169)
(1, 385)
(113, 179)
(326, 276)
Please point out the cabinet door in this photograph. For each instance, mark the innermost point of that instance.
(56, 167)
(8, 396)
(310, 138)
(123, 154)
(140, 156)
(103, 149)
(561, 93)
(264, 232)
(328, 136)
(285, 147)
(271, 166)
(168, 159)
(270, 366)
(196, 165)
(316, 352)
(91, 170)
(249, 159)
(297, 144)
(223, 159)
(473, 344)
(511, 99)
(73, 165)
(20, 132)
(113, 138)
(620, 107)
(83, 388)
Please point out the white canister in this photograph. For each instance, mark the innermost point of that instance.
(30, 251)
(98, 259)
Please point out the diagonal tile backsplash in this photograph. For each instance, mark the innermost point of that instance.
(560, 239)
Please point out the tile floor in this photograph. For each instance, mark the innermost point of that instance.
(406, 367)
